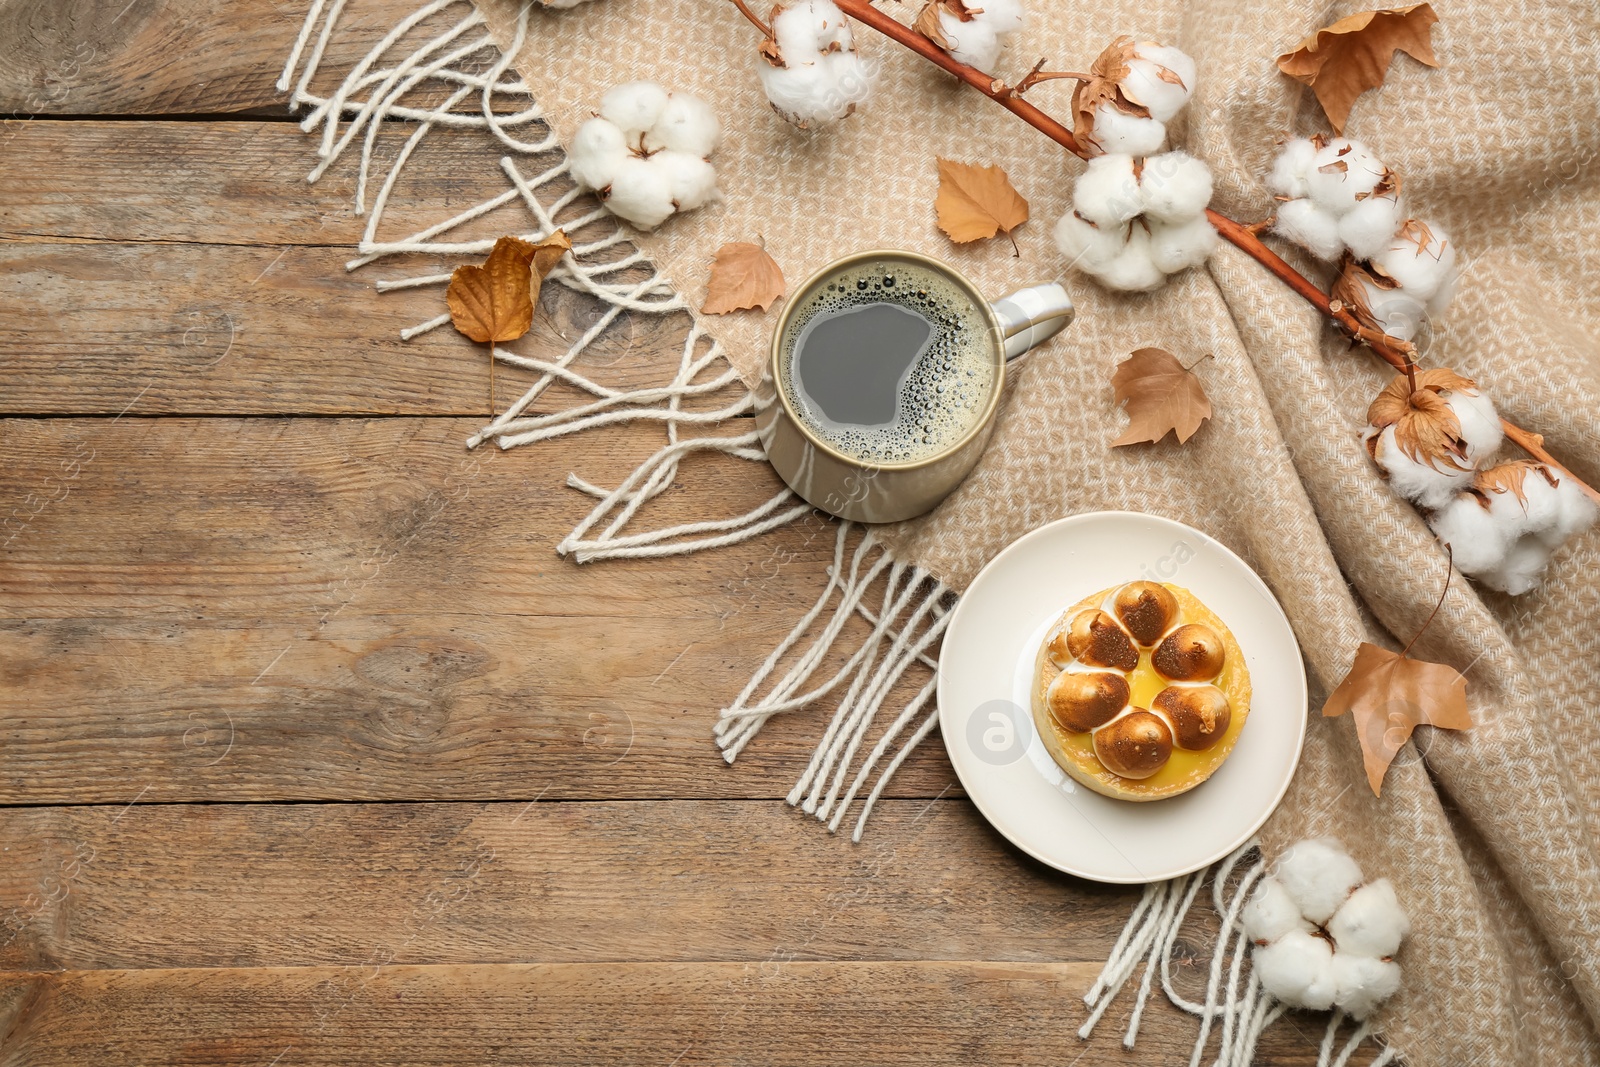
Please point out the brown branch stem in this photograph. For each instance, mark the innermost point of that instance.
(1399, 355)
(766, 31)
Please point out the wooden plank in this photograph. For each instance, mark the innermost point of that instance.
(241, 183)
(265, 885)
(148, 57)
(154, 328)
(773, 1015)
(366, 611)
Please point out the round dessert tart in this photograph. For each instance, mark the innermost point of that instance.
(1140, 691)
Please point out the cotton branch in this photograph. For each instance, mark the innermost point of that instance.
(1398, 354)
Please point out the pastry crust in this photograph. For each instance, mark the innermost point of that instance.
(1185, 769)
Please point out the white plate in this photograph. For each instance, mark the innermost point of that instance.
(986, 673)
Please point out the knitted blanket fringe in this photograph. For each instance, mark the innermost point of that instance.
(402, 80)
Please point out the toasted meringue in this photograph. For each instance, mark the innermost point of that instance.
(1083, 700)
(1095, 640)
(1135, 746)
(1147, 609)
(1191, 653)
(1199, 714)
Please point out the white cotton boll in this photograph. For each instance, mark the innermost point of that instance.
(1368, 228)
(1118, 133)
(1576, 512)
(1308, 226)
(1006, 16)
(1423, 483)
(1481, 429)
(687, 124)
(596, 153)
(1107, 193)
(1341, 174)
(1174, 247)
(1088, 246)
(1289, 169)
(808, 27)
(690, 180)
(1132, 270)
(1361, 983)
(1318, 875)
(640, 193)
(633, 108)
(1522, 568)
(1478, 540)
(1145, 85)
(1298, 970)
(1272, 913)
(1397, 312)
(1371, 922)
(1418, 269)
(1176, 187)
(973, 42)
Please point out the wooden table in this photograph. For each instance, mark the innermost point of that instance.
(314, 751)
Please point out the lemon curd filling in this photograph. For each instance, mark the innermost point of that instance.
(1083, 641)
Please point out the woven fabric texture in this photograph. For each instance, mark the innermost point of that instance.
(1490, 834)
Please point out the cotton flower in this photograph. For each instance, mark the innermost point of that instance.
(1503, 529)
(1430, 442)
(1134, 222)
(1336, 195)
(809, 68)
(970, 33)
(645, 153)
(1142, 87)
(1421, 260)
(1117, 132)
(1323, 939)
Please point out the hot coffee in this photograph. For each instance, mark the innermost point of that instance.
(888, 362)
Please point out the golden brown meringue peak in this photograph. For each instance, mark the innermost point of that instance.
(1200, 714)
(1095, 640)
(1191, 653)
(1082, 701)
(1134, 746)
(1147, 609)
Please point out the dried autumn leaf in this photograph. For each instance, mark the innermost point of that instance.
(977, 202)
(1102, 87)
(546, 254)
(492, 302)
(1424, 426)
(1161, 395)
(1342, 61)
(1389, 694)
(743, 275)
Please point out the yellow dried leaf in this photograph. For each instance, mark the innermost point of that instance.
(743, 276)
(977, 202)
(1161, 395)
(1344, 60)
(1389, 695)
(1424, 426)
(492, 302)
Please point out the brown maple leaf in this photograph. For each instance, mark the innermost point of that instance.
(977, 202)
(743, 276)
(1424, 426)
(1342, 61)
(1388, 694)
(494, 302)
(1161, 395)
(1102, 87)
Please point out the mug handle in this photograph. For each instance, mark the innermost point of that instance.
(1029, 317)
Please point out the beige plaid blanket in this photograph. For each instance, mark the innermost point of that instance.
(1490, 835)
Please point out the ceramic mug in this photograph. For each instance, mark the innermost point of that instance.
(852, 482)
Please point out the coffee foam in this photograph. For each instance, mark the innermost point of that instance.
(947, 389)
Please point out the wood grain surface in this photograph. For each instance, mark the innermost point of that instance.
(313, 751)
